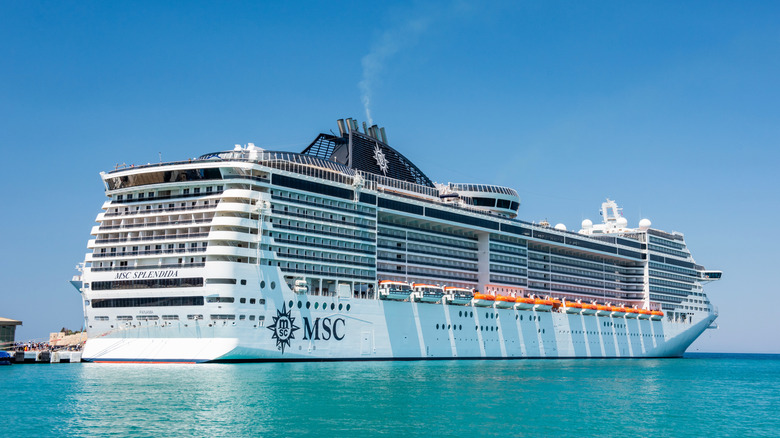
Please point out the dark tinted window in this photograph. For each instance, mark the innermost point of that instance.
(400, 206)
(484, 202)
(311, 186)
(146, 284)
(462, 218)
(148, 302)
(368, 198)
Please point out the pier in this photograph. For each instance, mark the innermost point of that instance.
(62, 347)
(45, 356)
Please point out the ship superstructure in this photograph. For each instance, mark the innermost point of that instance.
(347, 250)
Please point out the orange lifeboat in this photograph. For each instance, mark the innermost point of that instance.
(618, 312)
(522, 303)
(602, 310)
(572, 307)
(632, 312)
(656, 315)
(556, 303)
(589, 309)
(505, 302)
(644, 314)
(543, 305)
(483, 300)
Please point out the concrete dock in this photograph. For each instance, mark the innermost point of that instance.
(45, 356)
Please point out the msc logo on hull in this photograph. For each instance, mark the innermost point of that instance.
(283, 327)
(324, 329)
(321, 329)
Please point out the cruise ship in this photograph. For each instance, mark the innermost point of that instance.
(348, 251)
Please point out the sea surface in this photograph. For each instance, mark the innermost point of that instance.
(699, 395)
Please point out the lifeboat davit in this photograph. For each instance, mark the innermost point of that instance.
(524, 303)
(618, 312)
(656, 315)
(632, 313)
(644, 314)
(483, 300)
(505, 302)
(602, 310)
(572, 307)
(588, 309)
(543, 305)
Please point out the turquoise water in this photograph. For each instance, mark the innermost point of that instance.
(722, 395)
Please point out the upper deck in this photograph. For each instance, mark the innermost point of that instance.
(364, 162)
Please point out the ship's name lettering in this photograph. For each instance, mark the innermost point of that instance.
(323, 329)
(146, 274)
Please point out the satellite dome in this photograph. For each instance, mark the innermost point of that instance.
(587, 224)
(560, 227)
(644, 224)
(622, 222)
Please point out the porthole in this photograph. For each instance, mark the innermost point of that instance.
(348, 306)
(448, 326)
(300, 304)
(460, 313)
(332, 306)
(437, 326)
(460, 327)
(291, 304)
(308, 304)
(472, 314)
(262, 284)
(273, 285)
(316, 305)
(339, 307)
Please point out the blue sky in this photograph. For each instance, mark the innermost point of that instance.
(670, 108)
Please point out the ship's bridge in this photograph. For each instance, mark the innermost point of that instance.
(498, 199)
(711, 275)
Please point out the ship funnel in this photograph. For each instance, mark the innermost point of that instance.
(375, 132)
(365, 128)
(382, 133)
(342, 129)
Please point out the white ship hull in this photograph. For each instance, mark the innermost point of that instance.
(389, 330)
